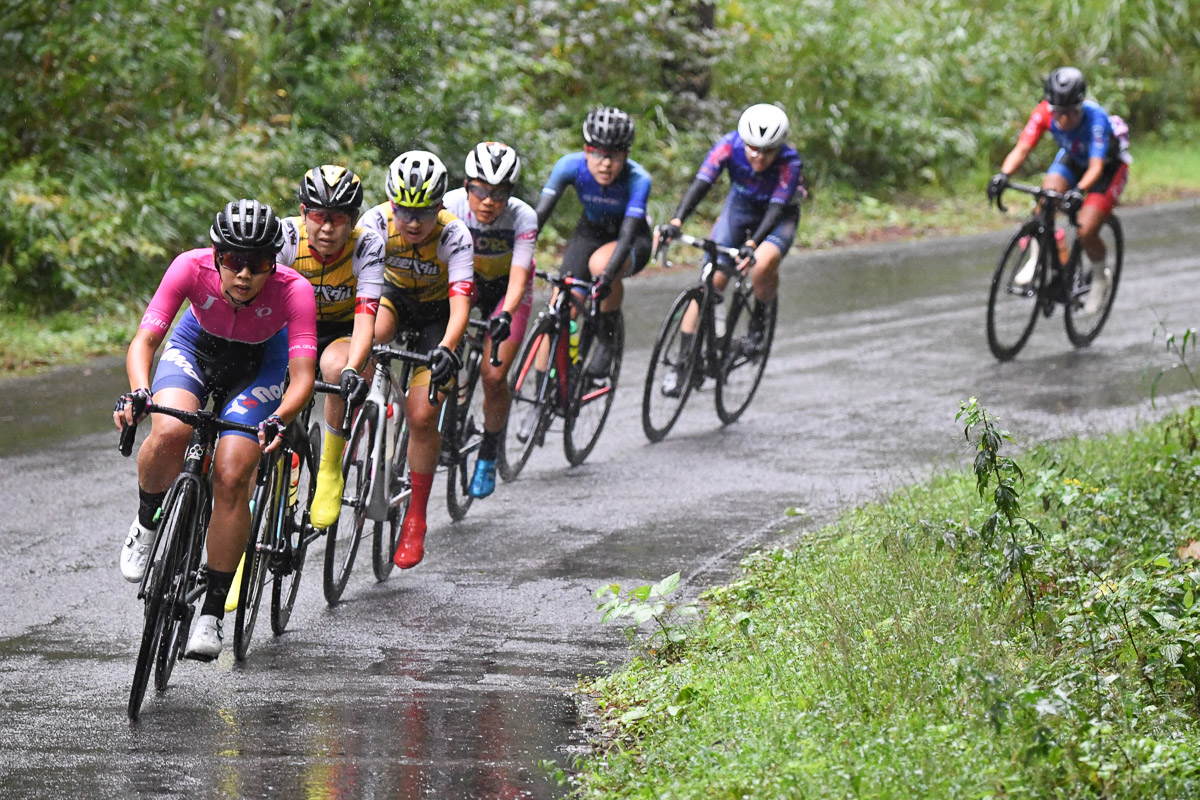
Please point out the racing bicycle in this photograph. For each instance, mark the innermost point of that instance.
(680, 361)
(1021, 289)
(462, 420)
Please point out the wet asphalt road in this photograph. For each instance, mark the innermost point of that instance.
(453, 680)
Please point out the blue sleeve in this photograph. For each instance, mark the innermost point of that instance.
(563, 174)
(639, 191)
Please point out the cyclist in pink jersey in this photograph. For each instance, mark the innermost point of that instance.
(251, 324)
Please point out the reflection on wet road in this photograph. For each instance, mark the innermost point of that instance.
(453, 680)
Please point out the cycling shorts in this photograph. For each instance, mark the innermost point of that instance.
(489, 298)
(739, 219)
(427, 320)
(330, 332)
(247, 379)
(1105, 192)
(588, 237)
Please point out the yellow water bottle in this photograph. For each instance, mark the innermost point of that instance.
(573, 342)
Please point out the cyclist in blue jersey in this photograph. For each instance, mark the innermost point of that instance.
(761, 211)
(612, 238)
(1091, 168)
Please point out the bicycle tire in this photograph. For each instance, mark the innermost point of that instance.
(741, 366)
(264, 524)
(287, 566)
(526, 389)
(186, 569)
(1012, 309)
(659, 411)
(386, 536)
(1083, 328)
(358, 474)
(158, 586)
(590, 400)
(466, 413)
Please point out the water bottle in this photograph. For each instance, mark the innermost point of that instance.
(388, 439)
(573, 342)
(1064, 252)
(294, 480)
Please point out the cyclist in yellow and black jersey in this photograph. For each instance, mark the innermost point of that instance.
(344, 264)
(429, 272)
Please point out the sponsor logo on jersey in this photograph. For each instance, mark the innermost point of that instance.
(416, 266)
(173, 355)
(493, 243)
(333, 294)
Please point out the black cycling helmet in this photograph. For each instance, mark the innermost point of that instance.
(608, 127)
(246, 225)
(332, 187)
(1065, 86)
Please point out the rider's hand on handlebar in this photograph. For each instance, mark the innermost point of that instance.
(499, 327)
(1072, 201)
(443, 365)
(745, 256)
(131, 408)
(352, 387)
(668, 231)
(601, 287)
(996, 186)
(270, 433)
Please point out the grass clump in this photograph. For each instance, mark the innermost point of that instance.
(1017, 632)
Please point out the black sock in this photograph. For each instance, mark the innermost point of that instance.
(148, 505)
(489, 447)
(685, 347)
(607, 325)
(218, 589)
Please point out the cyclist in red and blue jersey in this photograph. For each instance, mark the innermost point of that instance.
(1091, 167)
(251, 323)
(761, 211)
(612, 238)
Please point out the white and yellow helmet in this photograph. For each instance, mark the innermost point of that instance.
(416, 179)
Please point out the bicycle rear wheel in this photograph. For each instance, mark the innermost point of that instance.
(1013, 305)
(465, 403)
(387, 534)
(262, 543)
(1083, 323)
(743, 357)
(670, 360)
(358, 473)
(590, 399)
(287, 565)
(527, 415)
(158, 590)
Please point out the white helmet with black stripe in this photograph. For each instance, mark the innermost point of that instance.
(763, 126)
(493, 162)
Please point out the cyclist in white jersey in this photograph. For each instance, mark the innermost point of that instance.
(504, 230)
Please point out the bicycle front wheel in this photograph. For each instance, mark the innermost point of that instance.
(387, 534)
(262, 543)
(529, 413)
(744, 354)
(672, 366)
(590, 399)
(358, 474)
(1085, 315)
(287, 565)
(159, 590)
(1014, 299)
(465, 403)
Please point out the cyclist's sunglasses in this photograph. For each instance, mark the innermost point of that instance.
(319, 216)
(257, 261)
(500, 194)
(406, 214)
(762, 152)
(604, 154)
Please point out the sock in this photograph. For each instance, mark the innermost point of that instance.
(218, 588)
(489, 448)
(149, 504)
(685, 345)
(422, 483)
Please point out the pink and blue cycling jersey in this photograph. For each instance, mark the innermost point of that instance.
(1096, 136)
(779, 183)
(286, 301)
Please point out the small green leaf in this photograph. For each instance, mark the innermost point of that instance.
(665, 586)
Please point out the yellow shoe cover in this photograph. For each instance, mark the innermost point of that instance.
(327, 500)
(235, 589)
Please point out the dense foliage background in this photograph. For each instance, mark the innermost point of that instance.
(128, 123)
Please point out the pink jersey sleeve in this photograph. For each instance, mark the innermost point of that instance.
(301, 314)
(1039, 123)
(174, 288)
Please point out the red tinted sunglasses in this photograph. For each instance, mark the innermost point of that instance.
(257, 261)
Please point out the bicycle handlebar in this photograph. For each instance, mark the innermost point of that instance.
(483, 325)
(386, 352)
(712, 248)
(192, 418)
(1039, 192)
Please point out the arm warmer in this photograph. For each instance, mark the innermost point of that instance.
(629, 229)
(691, 198)
(545, 206)
(769, 221)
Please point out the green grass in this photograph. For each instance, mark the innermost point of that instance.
(897, 653)
(835, 216)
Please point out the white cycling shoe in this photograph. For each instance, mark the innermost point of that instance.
(1025, 274)
(205, 640)
(1095, 298)
(135, 552)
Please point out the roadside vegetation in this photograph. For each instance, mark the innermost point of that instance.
(1027, 628)
(126, 124)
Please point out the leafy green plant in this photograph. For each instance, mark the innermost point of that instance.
(648, 603)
